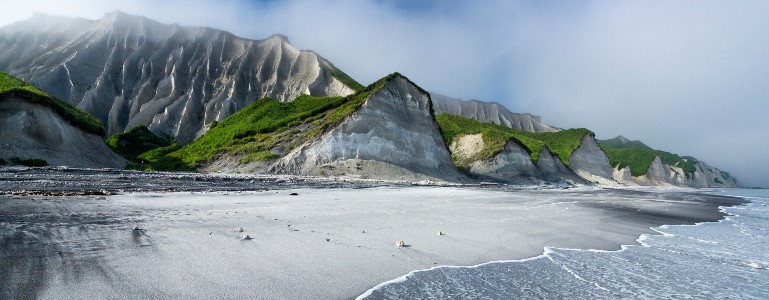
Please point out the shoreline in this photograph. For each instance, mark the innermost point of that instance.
(331, 243)
(659, 231)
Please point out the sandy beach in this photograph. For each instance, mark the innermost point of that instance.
(317, 244)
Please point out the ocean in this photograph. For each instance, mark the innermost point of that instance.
(716, 260)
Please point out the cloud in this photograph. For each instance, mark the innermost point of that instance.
(691, 77)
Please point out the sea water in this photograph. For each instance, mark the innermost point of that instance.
(715, 260)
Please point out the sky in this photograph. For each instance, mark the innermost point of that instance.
(689, 77)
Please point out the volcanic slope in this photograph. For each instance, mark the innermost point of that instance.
(129, 70)
(386, 131)
(489, 112)
(636, 163)
(37, 129)
(393, 135)
(496, 152)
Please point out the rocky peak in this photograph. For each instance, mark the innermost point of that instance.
(278, 38)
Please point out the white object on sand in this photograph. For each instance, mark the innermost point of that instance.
(400, 243)
(239, 229)
(440, 233)
(756, 266)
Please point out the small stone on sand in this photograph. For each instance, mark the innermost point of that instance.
(239, 229)
(440, 233)
(756, 266)
(400, 243)
(294, 194)
(247, 237)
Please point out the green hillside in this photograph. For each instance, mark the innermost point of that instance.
(264, 130)
(621, 142)
(639, 157)
(561, 143)
(134, 142)
(11, 86)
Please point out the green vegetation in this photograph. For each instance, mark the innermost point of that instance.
(639, 159)
(343, 77)
(622, 143)
(10, 86)
(134, 142)
(29, 162)
(561, 143)
(264, 130)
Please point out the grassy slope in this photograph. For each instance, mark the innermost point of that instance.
(264, 130)
(639, 159)
(134, 142)
(561, 143)
(343, 77)
(618, 143)
(9, 85)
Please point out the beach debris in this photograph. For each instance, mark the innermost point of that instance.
(400, 244)
(136, 228)
(294, 194)
(756, 266)
(440, 233)
(363, 231)
(328, 240)
(239, 229)
(247, 237)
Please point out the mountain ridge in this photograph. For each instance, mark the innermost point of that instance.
(129, 70)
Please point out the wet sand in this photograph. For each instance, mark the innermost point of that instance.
(319, 244)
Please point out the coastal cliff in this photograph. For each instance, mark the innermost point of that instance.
(393, 135)
(38, 130)
(489, 112)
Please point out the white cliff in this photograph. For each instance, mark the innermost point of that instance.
(591, 163)
(128, 70)
(393, 136)
(32, 130)
(489, 112)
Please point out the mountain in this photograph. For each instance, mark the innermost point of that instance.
(392, 135)
(385, 131)
(37, 130)
(635, 163)
(489, 112)
(129, 70)
(621, 142)
(496, 152)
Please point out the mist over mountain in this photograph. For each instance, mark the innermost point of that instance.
(129, 70)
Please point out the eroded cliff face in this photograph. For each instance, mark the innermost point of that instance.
(129, 70)
(513, 164)
(393, 135)
(661, 174)
(29, 130)
(591, 163)
(489, 112)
